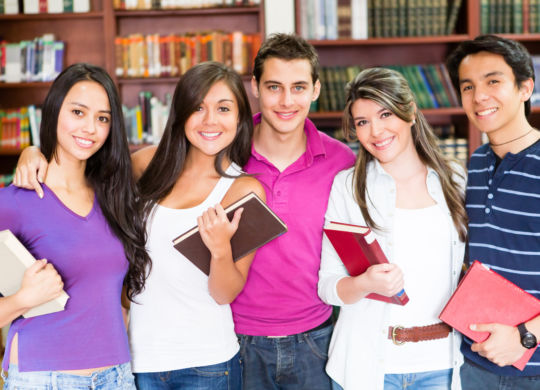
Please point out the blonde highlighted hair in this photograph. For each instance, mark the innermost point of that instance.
(390, 90)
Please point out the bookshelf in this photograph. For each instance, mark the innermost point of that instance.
(90, 37)
(410, 50)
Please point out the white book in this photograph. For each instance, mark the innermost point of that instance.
(31, 6)
(81, 5)
(55, 6)
(359, 19)
(13, 63)
(34, 129)
(11, 7)
(14, 260)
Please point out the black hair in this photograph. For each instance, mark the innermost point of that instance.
(108, 171)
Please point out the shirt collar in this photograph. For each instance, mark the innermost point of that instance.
(314, 147)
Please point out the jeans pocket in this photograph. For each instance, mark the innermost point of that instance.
(319, 341)
(213, 370)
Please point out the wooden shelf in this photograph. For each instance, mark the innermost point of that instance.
(187, 12)
(427, 112)
(10, 152)
(36, 84)
(46, 17)
(390, 41)
(160, 80)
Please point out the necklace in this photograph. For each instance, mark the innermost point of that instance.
(512, 140)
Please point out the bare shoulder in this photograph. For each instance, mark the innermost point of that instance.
(243, 186)
(141, 158)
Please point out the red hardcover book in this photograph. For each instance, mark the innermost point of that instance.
(483, 297)
(358, 249)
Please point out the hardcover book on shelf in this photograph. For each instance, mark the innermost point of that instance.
(14, 260)
(358, 249)
(482, 297)
(258, 225)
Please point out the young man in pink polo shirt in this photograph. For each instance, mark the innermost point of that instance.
(283, 326)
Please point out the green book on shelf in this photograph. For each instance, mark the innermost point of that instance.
(453, 12)
(517, 12)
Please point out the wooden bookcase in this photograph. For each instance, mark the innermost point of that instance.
(89, 37)
(409, 51)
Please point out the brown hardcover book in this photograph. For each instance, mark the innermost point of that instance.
(258, 225)
(14, 260)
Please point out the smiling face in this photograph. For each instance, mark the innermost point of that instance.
(285, 93)
(490, 97)
(84, 122)
(382, 133)
(213, 126)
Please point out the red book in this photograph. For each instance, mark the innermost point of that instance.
(358, 249)
(483, 297)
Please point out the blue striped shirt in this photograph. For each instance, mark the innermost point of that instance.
(503, 204)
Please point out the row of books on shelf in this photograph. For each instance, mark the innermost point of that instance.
(19, 128)
(429, 82)
(146, 121)
(510, 16)
(5, 180)
(157, 55)
(178, 4)
(362, 19)
(40, 59)
(11, 7)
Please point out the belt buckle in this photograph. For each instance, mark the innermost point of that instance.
(394, 329)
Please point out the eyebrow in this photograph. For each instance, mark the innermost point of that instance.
(490, 74)
(378, 112)
(85, 106)
(279, 82)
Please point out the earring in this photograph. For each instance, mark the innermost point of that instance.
(414, 122)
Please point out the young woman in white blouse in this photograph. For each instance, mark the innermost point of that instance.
(412, 198)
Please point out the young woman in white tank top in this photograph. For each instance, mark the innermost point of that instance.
(412, 198)
(181, 331)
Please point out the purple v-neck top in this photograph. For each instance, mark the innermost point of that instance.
(90, 332)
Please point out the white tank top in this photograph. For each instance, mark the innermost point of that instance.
(175, 323)
(422, 239)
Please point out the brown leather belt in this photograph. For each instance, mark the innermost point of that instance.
(400, 335)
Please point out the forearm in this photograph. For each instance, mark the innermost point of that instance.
(11, 307)
(533, 326)
(351, 289)
(225, 280)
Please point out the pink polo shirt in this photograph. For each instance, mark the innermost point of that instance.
(280, 295)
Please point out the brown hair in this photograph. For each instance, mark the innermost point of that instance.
(390, 90)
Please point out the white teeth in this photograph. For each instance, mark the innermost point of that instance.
(383, 143)
(84, 141)
(286, 115)
(486, 112)
(209, 135)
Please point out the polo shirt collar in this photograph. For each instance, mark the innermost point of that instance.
(314, 147)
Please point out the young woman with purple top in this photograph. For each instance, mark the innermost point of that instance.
(181, 328)
(88, 228)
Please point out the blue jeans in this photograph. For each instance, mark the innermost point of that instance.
(474, 377)
(294, 362)
(429, 380)
(221, 376)
(114, 378)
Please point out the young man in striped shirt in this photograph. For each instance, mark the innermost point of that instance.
(495, 78)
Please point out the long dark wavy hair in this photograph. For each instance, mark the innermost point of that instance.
(168, 162)
(108, 171)
(390, 90)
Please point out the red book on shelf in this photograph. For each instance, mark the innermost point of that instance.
(482, 297)
(358, 249)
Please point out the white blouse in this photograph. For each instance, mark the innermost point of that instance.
(357, 351)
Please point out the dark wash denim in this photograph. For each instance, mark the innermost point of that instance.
(294, 362)
(221, 376)
(474, 377)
